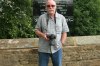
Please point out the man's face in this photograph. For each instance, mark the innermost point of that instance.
(51, 7)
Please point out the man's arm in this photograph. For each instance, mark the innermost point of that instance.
(65, 29)
(63, 37)
(40, 34)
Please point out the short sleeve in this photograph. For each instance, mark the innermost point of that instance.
(38, 25)
(64, 25)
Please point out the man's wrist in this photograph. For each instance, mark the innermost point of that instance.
(61, 42)
(44, 36)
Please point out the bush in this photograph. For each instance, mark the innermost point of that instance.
(16, 19)
(86, 18)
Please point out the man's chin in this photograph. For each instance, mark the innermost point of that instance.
(51, 13)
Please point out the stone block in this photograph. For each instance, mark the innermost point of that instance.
(78, 51)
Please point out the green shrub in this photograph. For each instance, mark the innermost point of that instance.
(86, 18)
(16, 19)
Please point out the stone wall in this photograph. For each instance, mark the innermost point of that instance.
(78, 51)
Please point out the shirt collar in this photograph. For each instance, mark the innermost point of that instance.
(56, 14)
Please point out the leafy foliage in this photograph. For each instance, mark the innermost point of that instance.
(86, 17)
(15, 19)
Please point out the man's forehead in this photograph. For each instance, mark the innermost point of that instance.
(51, 2)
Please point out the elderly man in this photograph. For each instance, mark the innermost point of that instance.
(52, 30)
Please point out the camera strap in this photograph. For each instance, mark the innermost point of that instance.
(47, 19)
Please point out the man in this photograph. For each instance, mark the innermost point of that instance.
(51, 23)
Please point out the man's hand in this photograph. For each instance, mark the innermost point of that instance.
(45, 37)
(41, 34)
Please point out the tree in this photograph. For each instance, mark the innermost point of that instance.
(86, 17)
(16, 19)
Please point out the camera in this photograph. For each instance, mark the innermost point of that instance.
(52, 38)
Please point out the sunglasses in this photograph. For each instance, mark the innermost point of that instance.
(50, 6)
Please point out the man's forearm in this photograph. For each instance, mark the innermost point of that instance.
(63, 37)
(39, 33)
